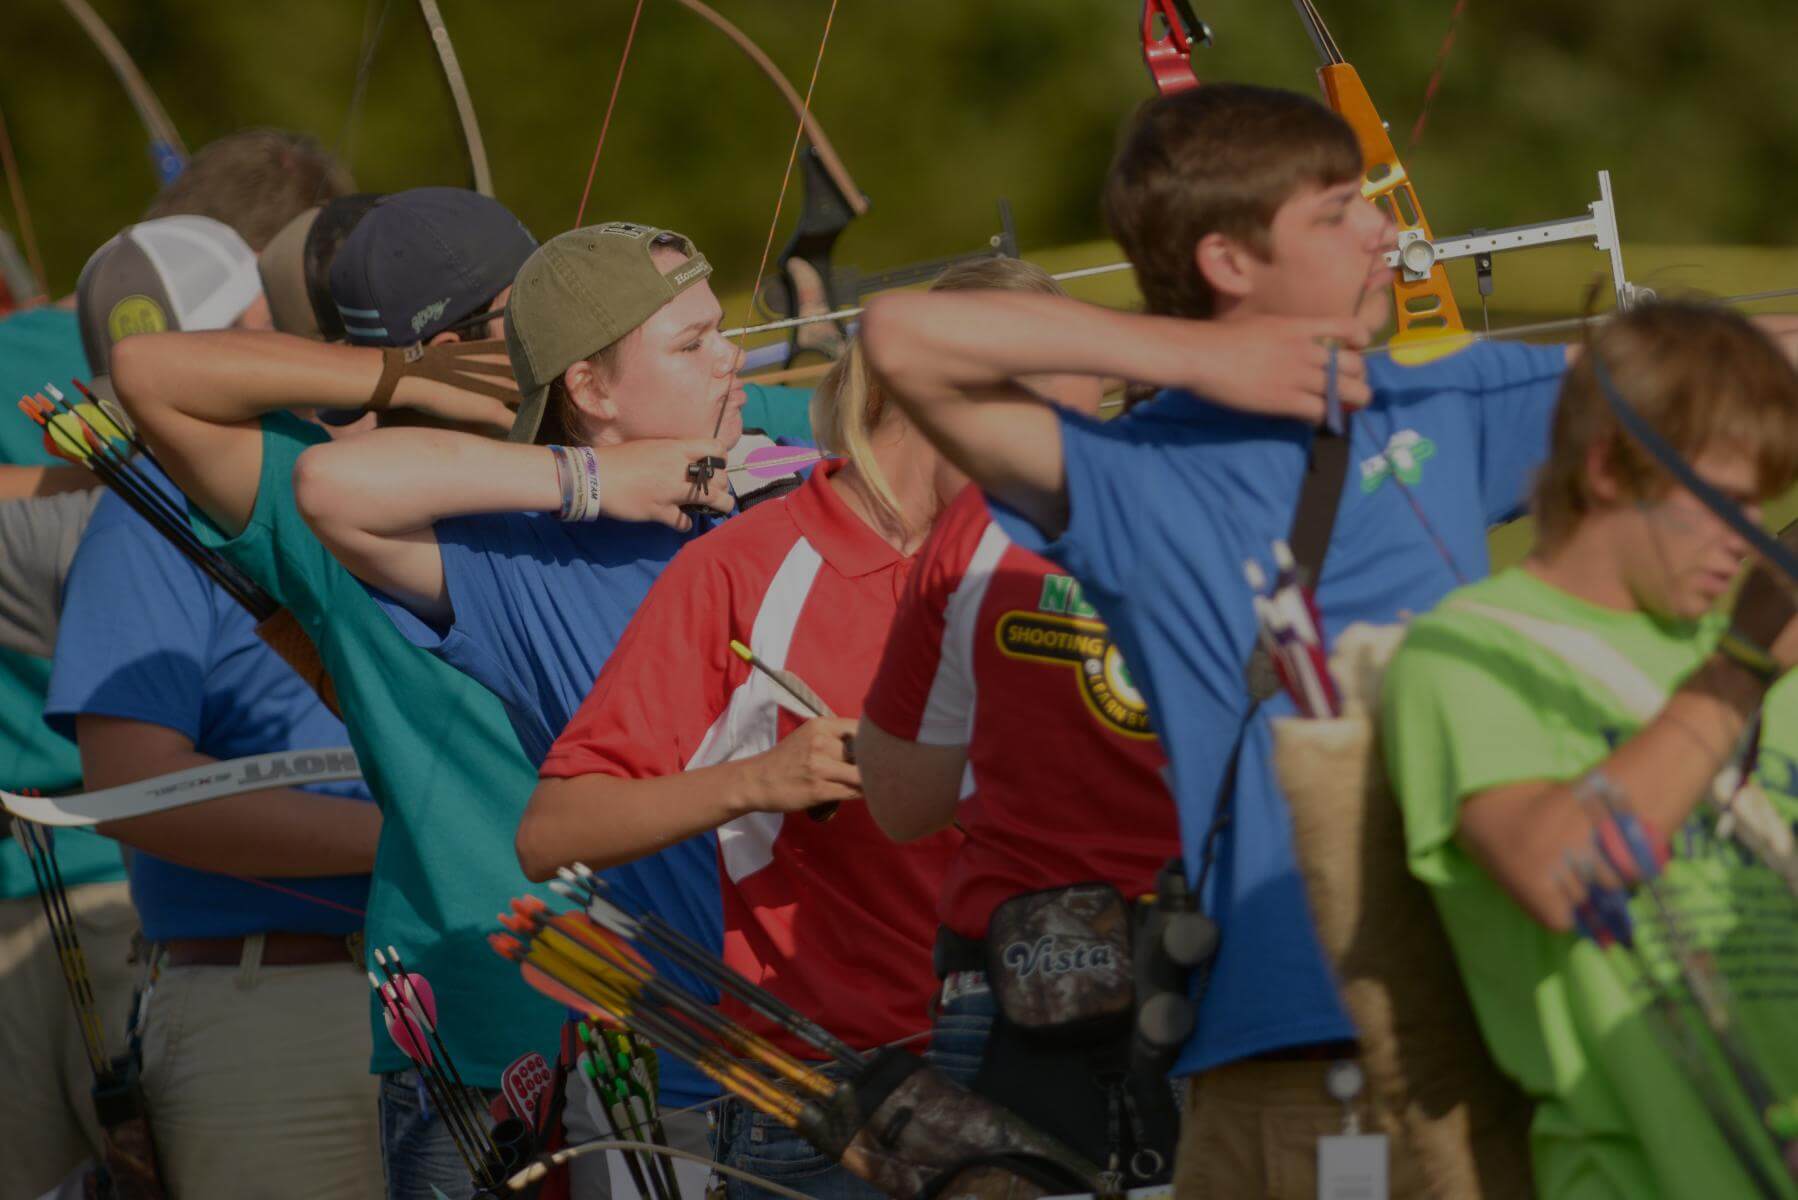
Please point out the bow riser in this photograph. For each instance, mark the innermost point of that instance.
(1424, 308)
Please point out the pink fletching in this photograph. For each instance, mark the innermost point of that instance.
(766, 462)
(412, 998)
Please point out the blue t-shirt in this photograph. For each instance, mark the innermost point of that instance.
(145, 635)
(38, 346)
(1167, 503)
(539, 605)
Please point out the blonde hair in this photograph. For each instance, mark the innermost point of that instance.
(847, 407)
(1701, 376)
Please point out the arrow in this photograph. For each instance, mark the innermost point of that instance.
(796, 696)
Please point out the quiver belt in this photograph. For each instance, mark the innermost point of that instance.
(910, 1131)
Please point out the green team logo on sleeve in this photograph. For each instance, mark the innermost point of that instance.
(1062, 594)
(1405, 453)
(1065, 631)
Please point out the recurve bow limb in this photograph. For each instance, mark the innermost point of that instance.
(1425, 310)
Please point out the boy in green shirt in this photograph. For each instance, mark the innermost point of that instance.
(1592, 692)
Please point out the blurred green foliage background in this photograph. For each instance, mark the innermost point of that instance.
(939, 107)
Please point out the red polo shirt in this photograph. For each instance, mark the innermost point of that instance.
(832, 917)
(995, 649)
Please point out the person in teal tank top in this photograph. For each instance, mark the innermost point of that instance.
(1540, 723)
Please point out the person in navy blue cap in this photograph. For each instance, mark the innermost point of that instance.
(425, 262)
(423, 278)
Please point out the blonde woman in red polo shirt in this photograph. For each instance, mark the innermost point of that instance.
(679, 736)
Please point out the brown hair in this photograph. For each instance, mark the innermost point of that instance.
(255, 181)
(847, 407)
(1221, 158)
(1701, 376)
(561, 423)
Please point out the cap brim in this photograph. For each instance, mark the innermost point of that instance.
(282, 265)
(530, 415)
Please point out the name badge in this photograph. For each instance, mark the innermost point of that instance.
(1351, 1166)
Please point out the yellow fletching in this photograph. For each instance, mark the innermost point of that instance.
(69, 435)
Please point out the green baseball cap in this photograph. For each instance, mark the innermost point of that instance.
(580, 292)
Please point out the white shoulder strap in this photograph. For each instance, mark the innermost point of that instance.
(1585, 652)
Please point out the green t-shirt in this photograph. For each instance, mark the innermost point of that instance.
(38, 346)
(1471, 704)
(439, 757)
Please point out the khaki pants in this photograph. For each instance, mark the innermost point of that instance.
(258, 1084)
(47, 1125)
(1251, 1129)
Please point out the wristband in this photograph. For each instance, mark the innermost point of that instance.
(564, 479)
(577, 475)
(1741, 650)
(1632, 847)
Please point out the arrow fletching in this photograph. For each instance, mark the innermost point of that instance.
(772, 462)
(407, 1010)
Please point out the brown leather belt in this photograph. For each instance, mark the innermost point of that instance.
(278, 950)
(1312, 1052)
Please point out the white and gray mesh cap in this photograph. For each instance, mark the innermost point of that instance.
(173, 273)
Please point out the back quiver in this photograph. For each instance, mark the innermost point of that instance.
(284, 634)
(1458, 1126)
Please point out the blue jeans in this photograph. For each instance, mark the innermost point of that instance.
(417, 1154)
(964, 1022)
(757, 1143)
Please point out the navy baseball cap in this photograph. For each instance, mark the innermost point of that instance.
(422, 260)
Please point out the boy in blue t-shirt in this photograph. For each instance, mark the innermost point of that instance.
(158, 669)
(1241, 208)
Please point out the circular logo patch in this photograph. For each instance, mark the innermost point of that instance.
(1113, 695)
(135, 314)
